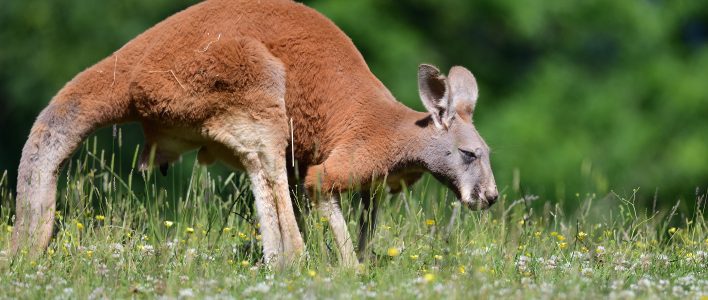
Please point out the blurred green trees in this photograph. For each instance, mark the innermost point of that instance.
(576, 96)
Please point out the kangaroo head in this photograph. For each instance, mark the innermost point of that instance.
(453, 149)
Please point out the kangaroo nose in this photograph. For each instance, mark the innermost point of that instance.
(491, 196)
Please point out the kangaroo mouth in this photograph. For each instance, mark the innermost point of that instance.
(475, 200)
(476, 204)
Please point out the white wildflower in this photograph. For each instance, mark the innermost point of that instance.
(261, 287)
(626, 294)
(662, 284)
(616, 285)
(552, 263)
(102, 269)
(522, 263)
(97, 293)
(645, 260)
(147, 250)
(687, 280)
(663, 259)
(186, 293)
(644, 284)
(677, 291)
(526, 281)
(190, 254)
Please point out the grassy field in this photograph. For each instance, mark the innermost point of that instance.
(122, 234)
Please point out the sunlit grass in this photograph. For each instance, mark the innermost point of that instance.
(124, 234)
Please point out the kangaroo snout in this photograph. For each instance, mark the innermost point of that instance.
(491, 195)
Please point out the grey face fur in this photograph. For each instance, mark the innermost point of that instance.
(455, 152)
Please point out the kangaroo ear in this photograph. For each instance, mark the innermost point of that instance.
(434, 92)
(463, 90)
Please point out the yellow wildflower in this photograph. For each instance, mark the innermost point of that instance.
(414, 257)
(560, 237)
(393, 252)
(429, 277)
(89, 253)
(169, 224)
(582, 235)
(438, 257)
(79, 226)
(461, 269)
(100, 218)
(9, 229)
(230, 261)
(323, 220)
(189, 230)
(553, 233)
(50, 251)
(584, 249)
(537, 234)
(242, 235)
(312, 273)
(245, 263)
(563, 245)
(430, 222)
(673, 230)
(227, 229)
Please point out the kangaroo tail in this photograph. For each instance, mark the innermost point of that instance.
(81, 107)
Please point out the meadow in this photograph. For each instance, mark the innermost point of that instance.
(129, 234)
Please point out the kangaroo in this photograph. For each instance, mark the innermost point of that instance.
(229, 78)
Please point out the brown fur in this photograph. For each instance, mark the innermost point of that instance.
(227, 77)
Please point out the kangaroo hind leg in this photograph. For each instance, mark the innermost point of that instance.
(258, 146)
(252, 133)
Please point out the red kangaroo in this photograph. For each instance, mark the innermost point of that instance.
(227, 77)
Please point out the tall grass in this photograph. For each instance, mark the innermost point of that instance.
(125, 233)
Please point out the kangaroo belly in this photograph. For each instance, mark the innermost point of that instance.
(164, 145)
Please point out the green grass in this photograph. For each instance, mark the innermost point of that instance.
(123, 234)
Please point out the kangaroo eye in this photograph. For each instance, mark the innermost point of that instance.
(468, 156)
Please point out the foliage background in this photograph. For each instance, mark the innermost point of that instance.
(576, 96)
